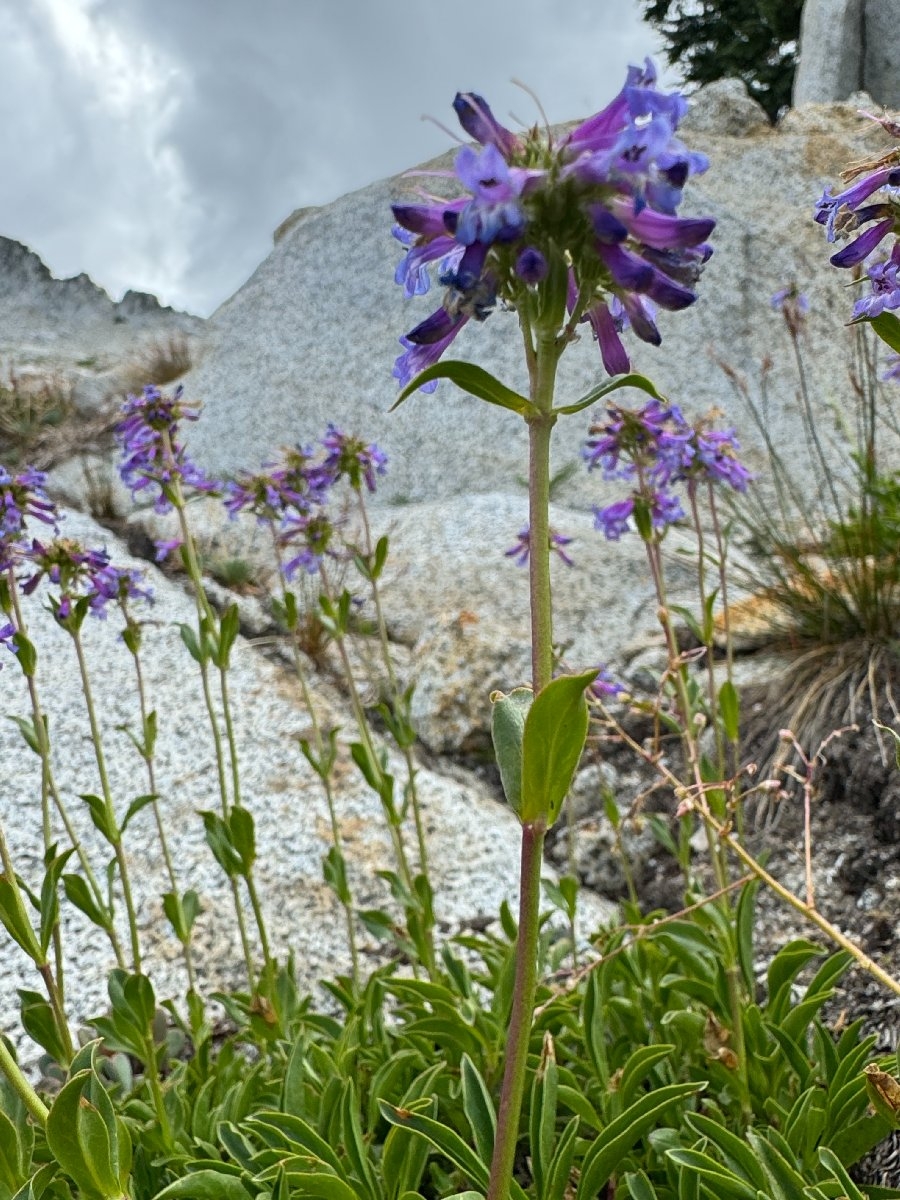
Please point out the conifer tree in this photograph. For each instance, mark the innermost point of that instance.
(753, 40)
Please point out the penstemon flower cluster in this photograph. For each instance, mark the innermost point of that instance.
(293, 496)
(586, 222)
(868, 211)
(655, 447)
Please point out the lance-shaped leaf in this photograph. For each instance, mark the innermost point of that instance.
(508, 715)
(633, 380)
(887, 326)
(555, 732)
(476, 381)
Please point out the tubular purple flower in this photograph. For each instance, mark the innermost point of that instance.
(531, 266)
(661, 230)
(606, 686)
(640, 315)
(494, 213)
(7, 634)
(612, 351)
(668, 294)
(153, 457)
(885, 293)
(863, 246)
(829, 207)
(598, 131)
(348, 457)
(521, 551)
(612, 521)
(480, 123)
(412, 270)
(418, 356)
(22, 498)
(627, 270)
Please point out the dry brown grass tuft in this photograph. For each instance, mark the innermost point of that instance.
(159, 363)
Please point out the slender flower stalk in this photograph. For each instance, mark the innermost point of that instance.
(320, 751)
(132, 638)
(155, 459)
(581, 228)
(546, 359)
(115, 833)
(49, 788)
(396, 697)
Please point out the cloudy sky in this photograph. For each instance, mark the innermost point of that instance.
(156, 144)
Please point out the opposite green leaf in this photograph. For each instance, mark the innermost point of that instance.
(612, 385)
(474, 380)
(887, 326)
(555, 732)
(508, 715)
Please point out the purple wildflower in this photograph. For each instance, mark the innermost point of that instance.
(82, 576)
(715, 459)
(662, 507)
(7, 636)
(603, 199)
(521, 551)
(885, 293)
(858, 213)
(613, 520)
(163, 547)
(606, 686)
(296, 484)
(312, 534)
(653, 442)
(348, 457)
(22, 497)
(153, 456)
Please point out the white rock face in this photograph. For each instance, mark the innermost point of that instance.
(848, 46)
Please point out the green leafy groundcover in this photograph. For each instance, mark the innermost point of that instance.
(632, 1088)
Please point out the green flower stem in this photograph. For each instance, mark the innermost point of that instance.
(48, 781)
(365, 735)
(542, 371)
(337, 839)
(713, 701)
(118, 848)
(395, 690)
(35, 953)
(521, 1014)
(238, 802)
(21, 1086)
(151, 780)
(159, 1103)
(206, 616)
